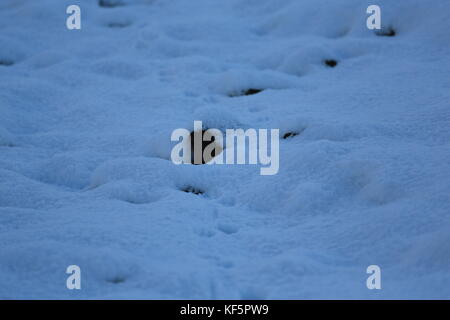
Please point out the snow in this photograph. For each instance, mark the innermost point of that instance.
(85, 171)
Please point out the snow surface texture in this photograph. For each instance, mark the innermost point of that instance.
(85, 123)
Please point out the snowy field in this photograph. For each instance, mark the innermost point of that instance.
(86, 177)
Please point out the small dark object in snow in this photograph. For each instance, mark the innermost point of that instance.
(247, 92)
(386, 32)
(204, 144)
(110, 3)
(331, 63)
(6, 62)
(290, 135)
(193, 190)
(116, 280)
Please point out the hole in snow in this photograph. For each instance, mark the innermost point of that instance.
(288, 135)
(247, 92)
(116, 280)
(190, 189)
(6, 62)
(386, 32)
(203, 146)
(331, 63)
(110, 3)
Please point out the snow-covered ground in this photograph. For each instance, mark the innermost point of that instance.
(85, 171)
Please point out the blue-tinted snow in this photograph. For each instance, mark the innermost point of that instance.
(85, 124)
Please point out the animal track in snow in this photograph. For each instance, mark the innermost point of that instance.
(292, 132)
(190, 189)
(204, 145)
(331, 63)
(110, 3)
(386, 32)
(6, 62)
(288, 135)
(116, 280)
(247, 92)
